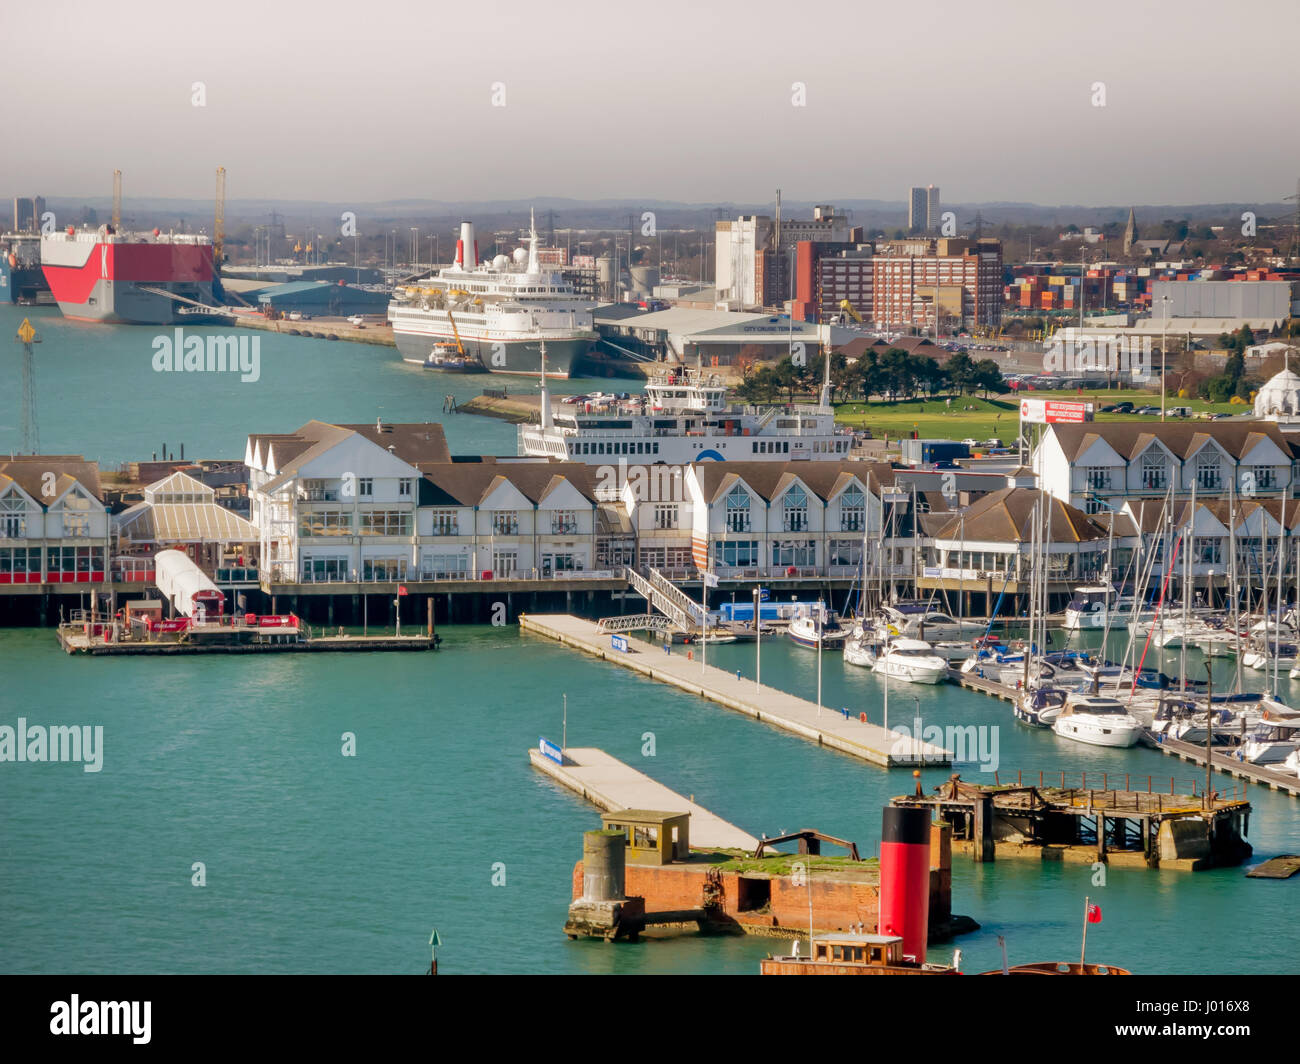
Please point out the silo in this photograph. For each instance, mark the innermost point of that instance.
(644, 279)
(605, 276)
(604, 856)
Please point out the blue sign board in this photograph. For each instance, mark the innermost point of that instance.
(550, 750)
(618, 642)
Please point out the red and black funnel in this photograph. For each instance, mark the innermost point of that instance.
(905, 878)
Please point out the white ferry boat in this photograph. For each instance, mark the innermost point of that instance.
(682, 416)
(497, 312)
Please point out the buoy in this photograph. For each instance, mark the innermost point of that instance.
(862, 717)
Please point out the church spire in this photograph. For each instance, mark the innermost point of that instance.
(1130, 232)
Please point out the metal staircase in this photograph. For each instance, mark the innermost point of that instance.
(670, 600)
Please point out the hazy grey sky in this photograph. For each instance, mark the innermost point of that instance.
(658, 100)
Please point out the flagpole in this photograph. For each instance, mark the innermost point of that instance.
(1084, 951)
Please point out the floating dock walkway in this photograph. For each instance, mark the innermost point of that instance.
(608, 783)
(858, 738)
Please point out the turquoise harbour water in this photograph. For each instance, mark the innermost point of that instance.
(317, 862)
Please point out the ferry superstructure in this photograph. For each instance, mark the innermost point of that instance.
(498, 312)
(683, 416)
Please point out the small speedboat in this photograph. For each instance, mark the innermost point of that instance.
(813, 631)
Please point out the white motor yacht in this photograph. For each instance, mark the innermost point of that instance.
(912, 660)
(1271, 742)
(916, 620)
(1097, 721)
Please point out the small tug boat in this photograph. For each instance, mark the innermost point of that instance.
(449, 359)
(851, 953)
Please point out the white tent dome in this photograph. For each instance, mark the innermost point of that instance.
(1279, 397)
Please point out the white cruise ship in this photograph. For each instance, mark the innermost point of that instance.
(498, 312)
(682, 416)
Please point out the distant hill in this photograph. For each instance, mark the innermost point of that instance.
(614, 213)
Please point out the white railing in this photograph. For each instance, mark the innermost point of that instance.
(634, 622)
(668, 599)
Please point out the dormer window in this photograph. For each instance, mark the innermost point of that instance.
(794, 510)
(1155, 472)
(1209, 471)
(738, 503)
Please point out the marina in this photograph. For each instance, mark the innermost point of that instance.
(1275, 778)
(823, 725)
(431, 546)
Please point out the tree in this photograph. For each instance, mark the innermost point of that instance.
(961, 372)
(929, 373)
(988, 376)
(897, 372)
(760, 386)
(788, 376)
(867, 375)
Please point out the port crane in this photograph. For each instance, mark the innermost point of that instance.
(847, 308)
(219, 221)
(460, 348)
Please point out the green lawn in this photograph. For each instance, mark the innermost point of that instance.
(980, 419)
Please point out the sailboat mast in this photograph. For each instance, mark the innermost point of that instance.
(1232, 576)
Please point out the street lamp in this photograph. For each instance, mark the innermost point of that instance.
(758, 644)
(821, 616)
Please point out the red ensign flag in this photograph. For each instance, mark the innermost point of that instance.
(1094, 914)
(401, 589)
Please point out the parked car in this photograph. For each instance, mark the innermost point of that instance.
(1124, 408)
(1147, 410)
(970, 442)
(576, 399)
